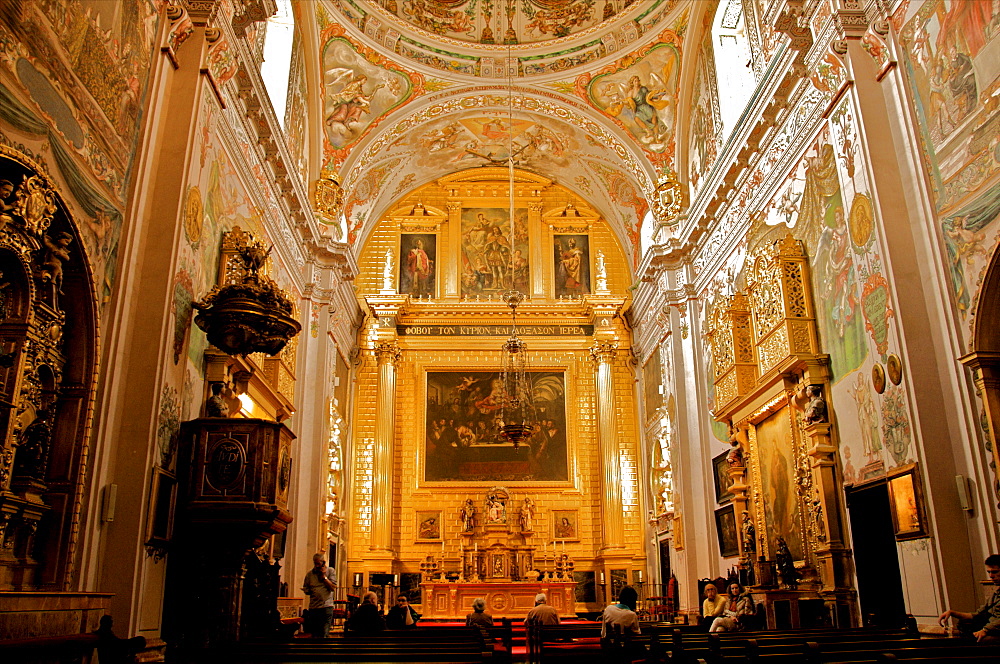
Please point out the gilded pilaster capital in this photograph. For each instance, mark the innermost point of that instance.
(454, 206)
(535, 206)
(603, 352)
(388, 352)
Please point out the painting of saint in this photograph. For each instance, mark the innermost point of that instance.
(357, 92)
(429, 525)
(564, 525)
(572, 265)
(462, 436)
(418, 252)
(774, 449)
(641, 96)
(492, 261)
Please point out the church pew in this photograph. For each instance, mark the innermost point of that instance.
(45, 649)
(577, 641)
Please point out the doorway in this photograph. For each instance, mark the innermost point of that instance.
(880, 586)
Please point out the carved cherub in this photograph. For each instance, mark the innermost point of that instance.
(55, 254)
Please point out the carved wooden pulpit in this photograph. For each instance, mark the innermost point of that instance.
(234, 475)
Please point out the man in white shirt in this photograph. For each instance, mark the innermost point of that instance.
(319, 587)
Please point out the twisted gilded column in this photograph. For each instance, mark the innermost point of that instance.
(388, 355)
(603, 354)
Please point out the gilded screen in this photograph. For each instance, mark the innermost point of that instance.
(462, 440)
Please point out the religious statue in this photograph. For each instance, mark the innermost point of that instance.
(33, 450)
(56, 253)
(786, 566)
(216, 405)
(387, 271)
(602, 272)
(527, 513)
(468, 513)
(749, 535)
(816, 410)
(7, 201)
(735, 456)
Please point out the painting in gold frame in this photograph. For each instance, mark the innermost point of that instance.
(775, 461)
(905, 500)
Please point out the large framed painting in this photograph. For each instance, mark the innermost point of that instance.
(492, 261)
(723, 480)
(417, 264)
(725, 528)
(572, 265)
(463, 443)
(775, 459)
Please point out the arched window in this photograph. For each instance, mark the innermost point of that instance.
(278, 57)
(732, 63)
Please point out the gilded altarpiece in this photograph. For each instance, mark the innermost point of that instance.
(771, 383)
(424, 422)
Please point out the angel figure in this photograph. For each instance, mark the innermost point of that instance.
(56, 253)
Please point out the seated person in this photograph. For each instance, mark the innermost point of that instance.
(740, 604)
(622, 613)
(478, 615)
(984, 624)
(713, 606)
(542, 614)
(402, 615)
(113, 649)
(367, 619)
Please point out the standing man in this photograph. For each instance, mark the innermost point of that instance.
(319, 587)
(984, 624)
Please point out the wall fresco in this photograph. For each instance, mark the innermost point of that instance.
(951, 57)
(356, 92)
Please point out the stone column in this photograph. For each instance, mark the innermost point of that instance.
(603, 354)
(387, 354)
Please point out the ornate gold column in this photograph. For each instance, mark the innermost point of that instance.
(603, 354)
(451, 269)
(538, 253)
(388, 354)
(985, 367)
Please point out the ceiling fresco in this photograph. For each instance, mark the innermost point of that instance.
(393, 122)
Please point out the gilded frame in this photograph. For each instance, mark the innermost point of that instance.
(906, 503)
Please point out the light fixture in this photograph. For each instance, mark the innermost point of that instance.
(517, 403)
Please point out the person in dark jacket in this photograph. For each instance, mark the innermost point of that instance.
(367, 619)
(402, 615)
(478, 615)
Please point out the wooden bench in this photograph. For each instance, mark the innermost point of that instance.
(66, 649)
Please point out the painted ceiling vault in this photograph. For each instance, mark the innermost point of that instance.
(583, 92)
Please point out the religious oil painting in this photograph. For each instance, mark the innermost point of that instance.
(572, 265)
(775, 458)
(417, 264)
(725, 527)
(493, 262)
(723, 481)
(428, 526)
(463, 441)
(904, 494)
(564, 526)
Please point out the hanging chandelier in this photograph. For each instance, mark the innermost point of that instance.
(517, 402)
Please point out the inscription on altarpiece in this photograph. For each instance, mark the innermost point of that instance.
(494, 330)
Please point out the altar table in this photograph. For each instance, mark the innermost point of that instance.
(452, 600)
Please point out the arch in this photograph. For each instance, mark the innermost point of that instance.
(51, 353)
